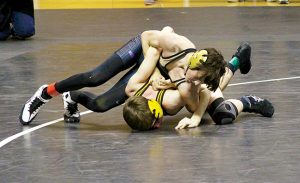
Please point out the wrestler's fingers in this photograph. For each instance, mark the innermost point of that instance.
(192, 125)
(181, 125)
(165, 82)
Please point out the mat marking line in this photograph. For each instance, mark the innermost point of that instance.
(13, 137)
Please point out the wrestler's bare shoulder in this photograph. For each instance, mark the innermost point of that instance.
(172, 102)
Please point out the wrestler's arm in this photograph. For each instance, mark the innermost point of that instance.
(146, 68)
(194, 121)
(158, 82)
(150, 38)
(187, 90)
(153, 37)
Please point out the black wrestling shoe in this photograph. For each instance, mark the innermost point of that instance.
(32, 106)
(258, 105)
(72, 114)
(243, 53)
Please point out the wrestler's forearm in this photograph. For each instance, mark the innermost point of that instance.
(155, 75)
(195, 120)
(189, 95)
(204, 96)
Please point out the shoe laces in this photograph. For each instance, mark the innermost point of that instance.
(257, 99)
(35, 105)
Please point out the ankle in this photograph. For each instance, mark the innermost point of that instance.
(234, 64)
(45, 94)
(246, 103)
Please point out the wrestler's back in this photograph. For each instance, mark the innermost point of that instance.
(171, 44)
(172, 101)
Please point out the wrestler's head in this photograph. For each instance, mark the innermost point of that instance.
(207, 66)
(142, 114)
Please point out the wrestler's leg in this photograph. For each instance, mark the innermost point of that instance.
(225, 79)
(225, 111)
(106, 101)
(125, 57)
(221, 111)
(96, 77)
(23, 25)
(240, 60)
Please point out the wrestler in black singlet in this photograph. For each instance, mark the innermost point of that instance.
(130, 55)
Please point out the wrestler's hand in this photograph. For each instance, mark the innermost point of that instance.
(186, 122)
(162, 84)
(156, 82)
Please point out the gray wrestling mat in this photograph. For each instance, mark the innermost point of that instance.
(102, 148)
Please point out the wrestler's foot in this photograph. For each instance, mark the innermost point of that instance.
(72, 114)
(243, 53)
(258, 105)
(32, 106)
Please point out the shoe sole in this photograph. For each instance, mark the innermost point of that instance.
(247, 62)
(21, 120)
(71, 119)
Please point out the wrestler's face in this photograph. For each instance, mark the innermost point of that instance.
(194, 76)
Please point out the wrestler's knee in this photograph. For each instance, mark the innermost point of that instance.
(23, 25)
(102, 104)
(24, 32)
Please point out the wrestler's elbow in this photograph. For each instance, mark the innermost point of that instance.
(151, 38)
(129, 89)
(146, 35)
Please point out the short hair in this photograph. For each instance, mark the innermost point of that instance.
(214, 68)
(137, 114)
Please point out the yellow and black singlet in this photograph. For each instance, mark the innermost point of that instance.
(159, 96)
(162, 63)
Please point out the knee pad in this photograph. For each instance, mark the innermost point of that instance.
(224, 113)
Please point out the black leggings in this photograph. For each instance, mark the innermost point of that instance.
(112, 98)
(96, 77)
(127, 56)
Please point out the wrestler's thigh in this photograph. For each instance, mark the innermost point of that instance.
(216, 94)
